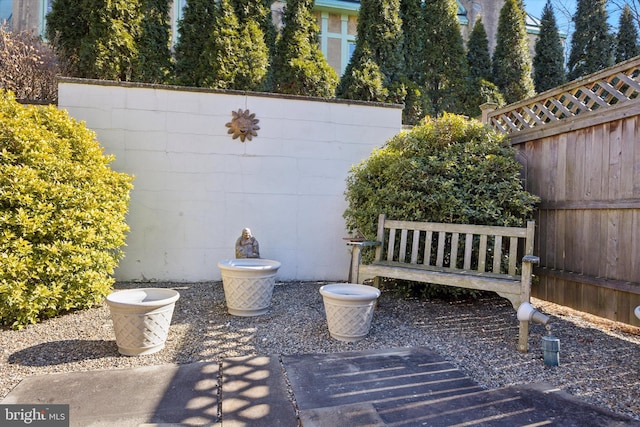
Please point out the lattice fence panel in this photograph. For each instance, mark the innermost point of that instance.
(604, 89)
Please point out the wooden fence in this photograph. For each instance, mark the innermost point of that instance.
(580, 148)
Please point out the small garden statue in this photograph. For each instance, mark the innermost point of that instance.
(247, 245)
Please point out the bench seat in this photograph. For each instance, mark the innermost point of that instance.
(481, 257)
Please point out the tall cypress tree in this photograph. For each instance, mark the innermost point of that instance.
(194, 29)
(363, 80)
(378, 51)
(627, 37)
(222, 49)
(236, 55)
(110, 51)
(299, 67)
(412, 30)
(154, 64)
(478, 56)
(548, 63)
(250, 12)
(480, 89)
(97, 38)
(511, 65)
(67, 27)
(591, 43)
(444, 56)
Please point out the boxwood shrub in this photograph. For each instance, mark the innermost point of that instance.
(449, 169)
(62, 210)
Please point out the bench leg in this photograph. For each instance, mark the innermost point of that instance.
(356, 259)
(525, 296)
(523, 337)
(376, 282)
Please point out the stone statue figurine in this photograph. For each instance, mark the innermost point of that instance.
(247, 245)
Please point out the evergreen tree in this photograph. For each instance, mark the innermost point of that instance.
(259, 12)
(444, 57)
(379, 49)
(101, 43)
(237, 57)
(109, 52)
(591, 45)
(154, 55)
(67, 27)
(480, 89)
(299, 67)
(548, 62)
(478, 56)
(194, 29)
(412, 30)
(511, 65)
(362, 79)
(627, 37)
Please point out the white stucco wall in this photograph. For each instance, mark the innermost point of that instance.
(196, 188)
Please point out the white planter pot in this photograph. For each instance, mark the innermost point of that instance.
(141, 318)
(349, 308)
(248, 284)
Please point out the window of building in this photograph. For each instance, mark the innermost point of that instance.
(45, 8)
(6, 9)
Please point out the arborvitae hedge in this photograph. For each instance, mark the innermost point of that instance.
(62, 211)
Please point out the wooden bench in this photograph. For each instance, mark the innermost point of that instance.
(468, 256)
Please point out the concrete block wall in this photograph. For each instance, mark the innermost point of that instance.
(196, 188)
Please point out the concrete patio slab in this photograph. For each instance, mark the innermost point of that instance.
(396, 387)
(254, 393)
(163, 394)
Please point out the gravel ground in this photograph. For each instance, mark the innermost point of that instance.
(598, 358)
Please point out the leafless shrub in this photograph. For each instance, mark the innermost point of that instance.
(28, 66)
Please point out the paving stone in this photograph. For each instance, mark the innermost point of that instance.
(254, 393)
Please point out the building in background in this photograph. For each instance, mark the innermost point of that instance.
(337, 19)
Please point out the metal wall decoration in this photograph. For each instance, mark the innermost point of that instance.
(243, 125)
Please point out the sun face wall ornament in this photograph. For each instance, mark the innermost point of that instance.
(243, 125)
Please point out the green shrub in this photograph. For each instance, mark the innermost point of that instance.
(62, 211)
(446, 170)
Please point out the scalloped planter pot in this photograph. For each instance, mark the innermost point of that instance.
(141, 319)
(248, 284)
(349, 308)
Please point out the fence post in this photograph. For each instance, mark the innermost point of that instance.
(487, 108)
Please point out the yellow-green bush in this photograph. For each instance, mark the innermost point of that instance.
(62, 214)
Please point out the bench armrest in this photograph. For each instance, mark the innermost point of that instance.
(364, 243)
(531, 258)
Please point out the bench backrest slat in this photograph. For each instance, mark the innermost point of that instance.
(441, 243)
(454, 249)
(403, 246)
(414, 246)
(482, 256)
(468, 247)
(513, 259)
(482, 248)
(497, 254)
(392, 244)
(427, 247)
